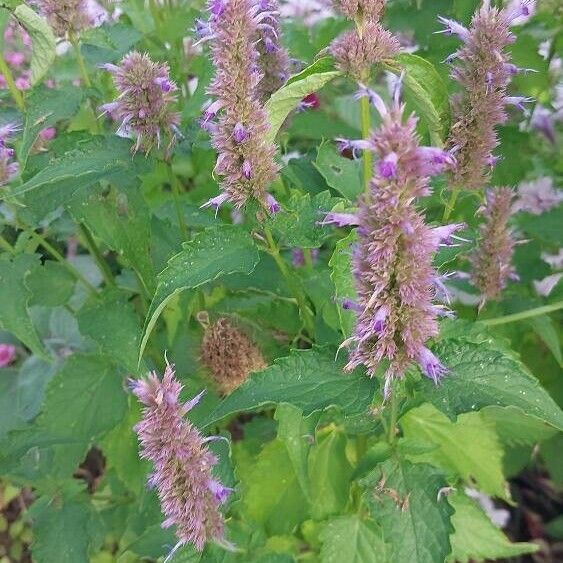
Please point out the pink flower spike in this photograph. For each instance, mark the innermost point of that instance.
(7, 354)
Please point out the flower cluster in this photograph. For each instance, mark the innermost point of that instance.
(17, 54)
(357, 50)
(273, 57)
(68, 17)
(145, 100)
(492, 259)
(392, 263)
(236, 119)
(8, 167)
(483, 70)
(538, 196)
(230, 355)
(189, 495)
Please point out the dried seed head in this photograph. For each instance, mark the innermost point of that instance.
(229, 355)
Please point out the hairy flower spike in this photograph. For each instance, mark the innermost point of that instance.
(273, 57)
(366, 9)
(230, 355)
(538, 196)
(71, 16)
(246, 159)
(483, 71)
(356, 55)
(492, 259)
(392, 263)
(144, 103)
(189, 494)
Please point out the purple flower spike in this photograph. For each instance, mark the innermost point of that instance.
(388, 165)
(189, 495)
(71, 16)
(340, 219)
(430, 365)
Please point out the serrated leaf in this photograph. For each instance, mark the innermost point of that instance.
(309, 379)
(476, 538)
(213, 253)
(345, 288)
(309, 80)
(60, 530)
(92, 160)
(484, 375)
(42, 39)
(340, 173)
(121, 219)
(329, 474)
(425, 90)
(468, 448)
(352, 539)
(15, 296)
(113, 324)
(271, 494)
(298, 225)
(50, 284)
(402, 498)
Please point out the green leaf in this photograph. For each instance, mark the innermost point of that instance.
(298, 225)
(402, 498)
(476, 538)
(329, 474)
(60, 530)
(270, 491)
(287, 98)
(114, 324)
(213, 253)
(345, 288)
(295, 432)
(482, 375)
(42, 39)
(64, 177)
(425, 90)
(340, 173)
(309, 379)
(51, 285)
(468, 448)
(121, 219)
(352, 539)
(15, 296)
(544, 327)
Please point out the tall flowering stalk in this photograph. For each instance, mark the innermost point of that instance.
(246, 158)
(483, 70)
(189, 495)
(392, 263)
(144, 105)
(273, 57)
(492, 259)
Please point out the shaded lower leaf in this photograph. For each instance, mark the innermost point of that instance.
(352, 539)
(402, 498)
(476, 538)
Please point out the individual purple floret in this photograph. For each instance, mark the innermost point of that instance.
(236, 119)
(144, 105)
(273, 58)
(392, 263)
(189, 495)
(492, 259)
(9, 168)
(483, 70)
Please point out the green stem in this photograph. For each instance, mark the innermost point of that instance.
(6, 245)
(367, 156)
(450, 205)
(80, 61)
(393, 419)
(524, 314)
(15, 93)
(177, 203)
(92, 247)
(306, 314)
(308, 258)
(59, 258)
